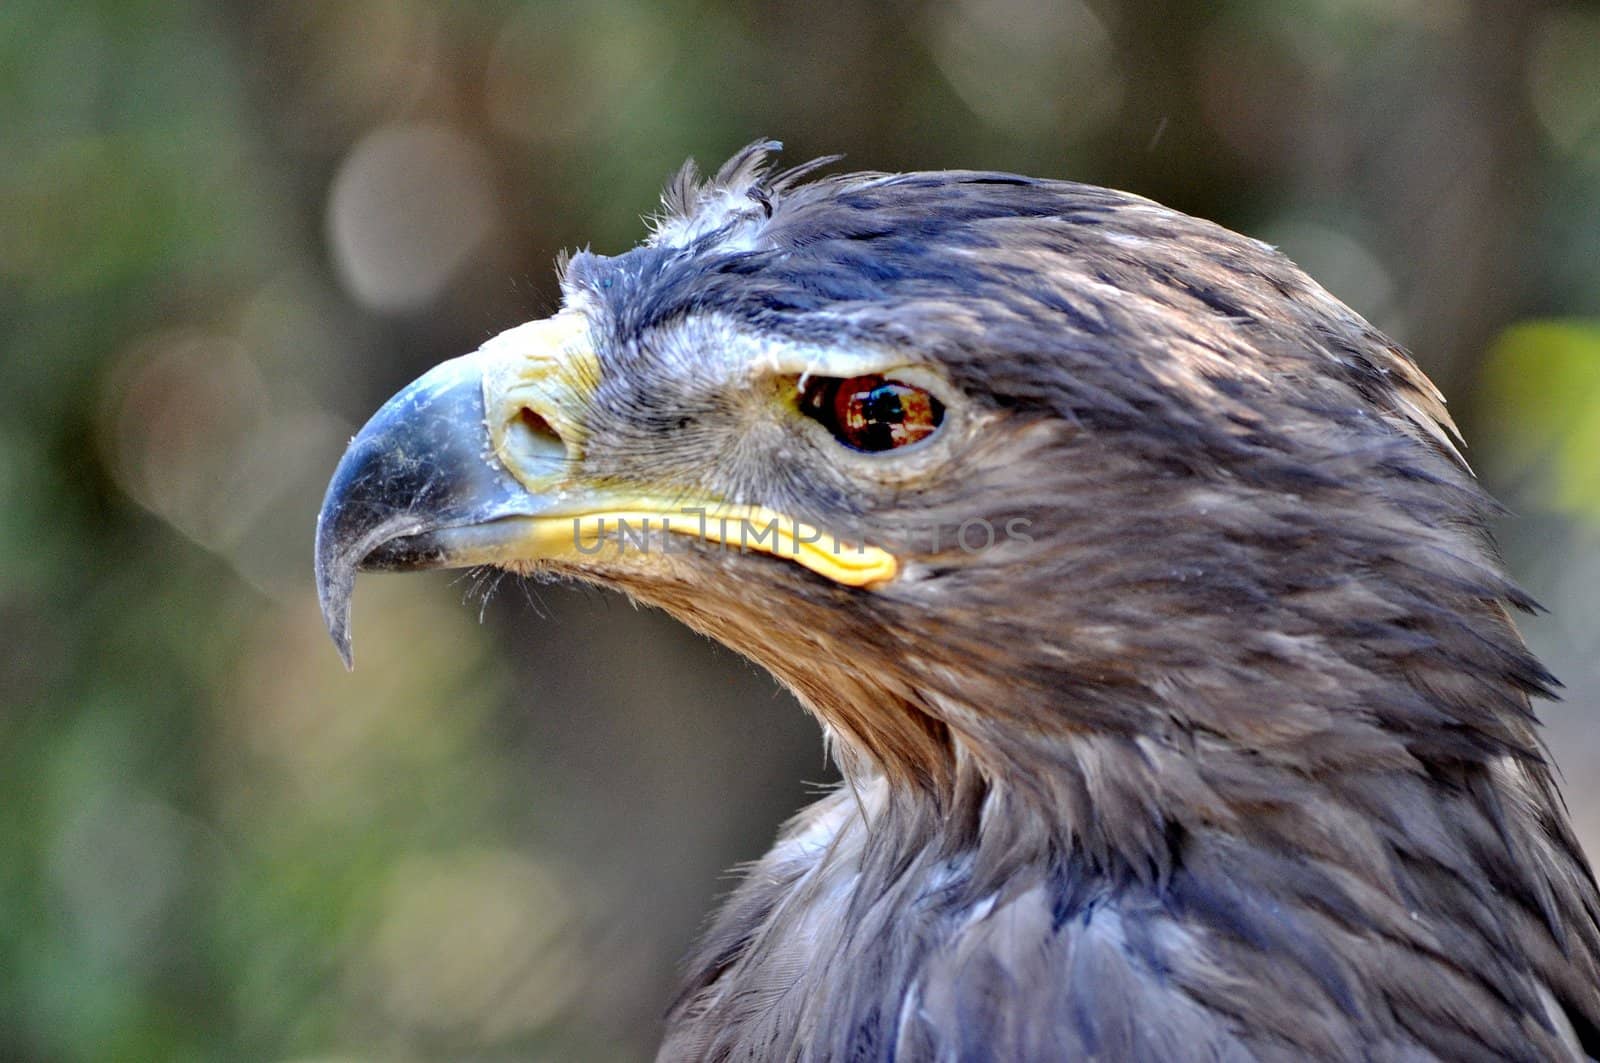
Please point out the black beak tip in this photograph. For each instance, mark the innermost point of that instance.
(416, 467)
(354, 522)
(336, 580)
(366, 505)
(363, 535)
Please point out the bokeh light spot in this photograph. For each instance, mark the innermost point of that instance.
(409, 207)
(1564, 81)
(1027, 66)
(478, 940)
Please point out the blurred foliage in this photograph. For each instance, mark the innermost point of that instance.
(228, 230)
(1544, 379)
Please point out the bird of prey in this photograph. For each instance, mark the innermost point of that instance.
(1145, 600)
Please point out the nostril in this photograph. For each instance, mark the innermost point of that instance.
(533, 442)
(535, 424)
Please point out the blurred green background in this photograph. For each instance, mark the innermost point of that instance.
(229, 230)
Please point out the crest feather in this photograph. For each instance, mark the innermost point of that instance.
(742, 190)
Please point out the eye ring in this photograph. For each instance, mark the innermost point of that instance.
(872, 413)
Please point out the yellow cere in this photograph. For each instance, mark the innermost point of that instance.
(547, 366)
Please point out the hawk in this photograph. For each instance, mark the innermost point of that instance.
(1146, 603)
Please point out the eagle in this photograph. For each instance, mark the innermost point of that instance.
(1148, 607)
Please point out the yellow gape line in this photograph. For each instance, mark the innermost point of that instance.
(629, 524)
(754, 528)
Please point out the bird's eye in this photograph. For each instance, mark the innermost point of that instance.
(871, 413)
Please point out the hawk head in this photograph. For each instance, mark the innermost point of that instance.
(1096, 535)
(972, 462)
(1127, 570)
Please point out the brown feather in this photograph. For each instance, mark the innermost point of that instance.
(1233, 758)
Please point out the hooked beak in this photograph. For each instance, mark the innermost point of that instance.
(479, 461)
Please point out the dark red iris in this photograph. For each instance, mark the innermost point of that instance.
(871, 413)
